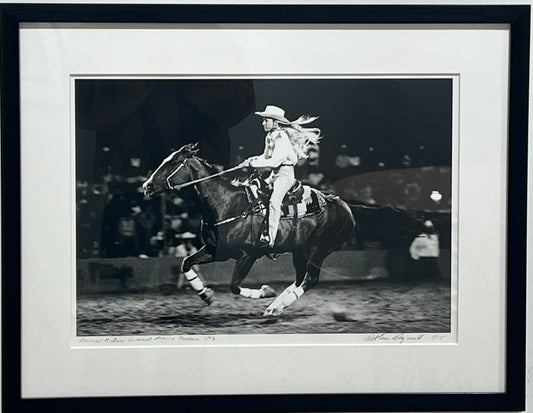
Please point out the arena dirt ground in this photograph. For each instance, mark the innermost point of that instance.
(345, 306)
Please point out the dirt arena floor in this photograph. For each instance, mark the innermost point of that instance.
(343, 306)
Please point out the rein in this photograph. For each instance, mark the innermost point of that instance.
(195, 181)
(245, 214)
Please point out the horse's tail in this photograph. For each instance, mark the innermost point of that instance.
(389, 226)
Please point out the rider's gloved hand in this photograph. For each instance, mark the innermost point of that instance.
(247, 162)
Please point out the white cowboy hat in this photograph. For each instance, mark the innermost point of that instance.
(275, 113)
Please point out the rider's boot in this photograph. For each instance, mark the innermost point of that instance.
(264, 241)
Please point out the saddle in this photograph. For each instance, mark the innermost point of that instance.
(300, 200)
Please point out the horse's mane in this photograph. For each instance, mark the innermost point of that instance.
(213, 169)
(239, 182)
(209, 166)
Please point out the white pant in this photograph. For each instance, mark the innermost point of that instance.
(282, 180)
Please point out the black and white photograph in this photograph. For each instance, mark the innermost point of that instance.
(275, 207)
(242, 206)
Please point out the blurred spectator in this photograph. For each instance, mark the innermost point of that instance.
(406, 161)
(174, 204)
(119, 205)
(146, 223)
(174, 230)
(127, 236)
(316, 180)
(396, 190)
(186, 246)
(365, 195)
(309, 172)
(412, 195)
(425, 251)
(418, 258)
(346, 164)
(95, 250)
(158, 243)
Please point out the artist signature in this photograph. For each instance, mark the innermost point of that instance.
(401, 338)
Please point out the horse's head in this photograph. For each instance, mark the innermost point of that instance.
(172, 171)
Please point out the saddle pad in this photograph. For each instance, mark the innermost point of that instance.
(312, 202)
(287, 210)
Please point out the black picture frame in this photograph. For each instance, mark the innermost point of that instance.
(516, 16)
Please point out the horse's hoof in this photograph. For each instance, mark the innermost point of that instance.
(272, 312)
(207, 295)
(267, 291)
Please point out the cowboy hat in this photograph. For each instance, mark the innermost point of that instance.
(273, 112)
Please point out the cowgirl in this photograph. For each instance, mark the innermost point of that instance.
(286, 142)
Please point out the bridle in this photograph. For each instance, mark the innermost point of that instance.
(195, 181)
(169, 186)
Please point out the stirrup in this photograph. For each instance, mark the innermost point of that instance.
(272, 255)
(264, 244)
(264, 241)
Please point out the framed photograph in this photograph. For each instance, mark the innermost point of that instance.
(264, 207)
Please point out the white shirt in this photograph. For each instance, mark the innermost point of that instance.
(283, 152)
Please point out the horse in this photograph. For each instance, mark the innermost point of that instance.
(230, 229)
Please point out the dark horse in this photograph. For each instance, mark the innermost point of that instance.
(229, 232)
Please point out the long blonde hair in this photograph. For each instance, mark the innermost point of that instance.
(302, 139)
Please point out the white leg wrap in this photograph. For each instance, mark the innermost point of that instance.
(285, 299)
(292, 296)
(195, 281)
(286, 293)
(290, 288)
(249, 293)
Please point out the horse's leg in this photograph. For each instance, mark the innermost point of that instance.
(202, 256)
(242, 268)
(296, 290)
(299, 260)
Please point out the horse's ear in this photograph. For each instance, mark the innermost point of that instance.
(189, 149)
(194, 148)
